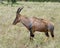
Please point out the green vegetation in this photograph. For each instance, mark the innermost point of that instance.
(17, 36)
(45, 0)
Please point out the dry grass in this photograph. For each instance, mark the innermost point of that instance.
(18, 36)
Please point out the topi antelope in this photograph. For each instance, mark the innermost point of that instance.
(34, 24)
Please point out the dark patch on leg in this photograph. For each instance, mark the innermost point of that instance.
(51, 28)
(30, 27)
(52, 32)
(46, 33)
(31, 34)
(47, 36)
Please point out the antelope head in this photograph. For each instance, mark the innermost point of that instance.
(17, 19)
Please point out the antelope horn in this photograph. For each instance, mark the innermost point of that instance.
(19, 9)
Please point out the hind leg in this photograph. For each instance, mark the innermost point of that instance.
(47, 36)
(51, 29)
(52, 34)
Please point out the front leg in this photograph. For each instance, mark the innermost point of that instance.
(31, 34)
(31, 29)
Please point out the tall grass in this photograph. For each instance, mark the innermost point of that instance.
(17, 36)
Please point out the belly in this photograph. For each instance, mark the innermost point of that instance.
(41, 29)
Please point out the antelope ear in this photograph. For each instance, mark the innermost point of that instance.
(19, 9)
